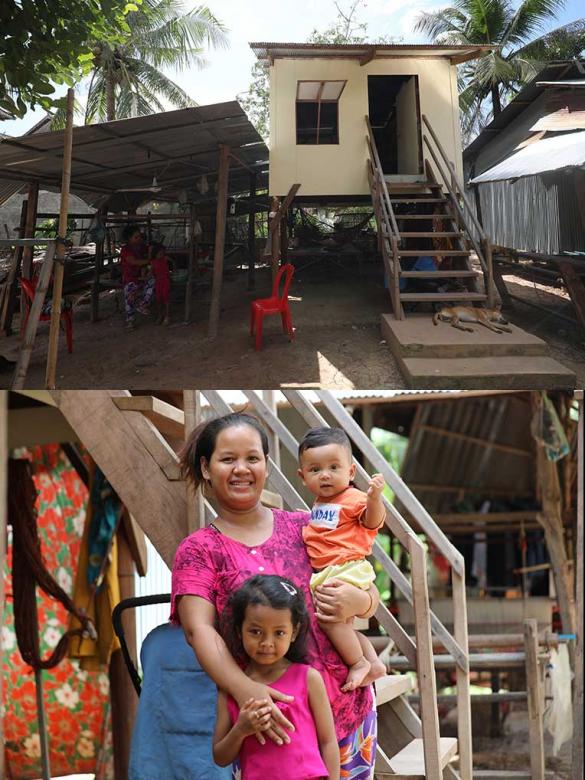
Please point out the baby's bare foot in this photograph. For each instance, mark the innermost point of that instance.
(377, 670)
(357, 674)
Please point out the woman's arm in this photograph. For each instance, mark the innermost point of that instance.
(198, 621)
(336, 601)
(324, 724)
(227, 739)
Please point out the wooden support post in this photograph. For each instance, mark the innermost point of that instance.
(220, 226)
(535, 699)
(577, 762)
(193, 416)
(501, 285)
(33, 320)
(3, 533)
(102, 216)
(123, 696)
(269, 397)
(464, 735)
(275, 252)
(284, 237)
(576, 288)
(11, 285)
(424, 657)
(252, 234)
(490, 288)
(60, 254)
(190, 264)
(32, 206)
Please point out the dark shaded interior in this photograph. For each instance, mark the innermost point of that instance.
(382, 92)
(317, 123)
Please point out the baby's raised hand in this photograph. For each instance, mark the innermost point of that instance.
(376, 486)
(254, 716)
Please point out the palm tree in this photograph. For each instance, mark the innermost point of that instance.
(516, 58)
(127, 78)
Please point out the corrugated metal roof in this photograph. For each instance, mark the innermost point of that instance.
(562, 83)
(177, 147)
(550, 154)
(10, 188)
(271, 50)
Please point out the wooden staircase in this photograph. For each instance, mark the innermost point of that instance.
(427, 218)
(133, 439)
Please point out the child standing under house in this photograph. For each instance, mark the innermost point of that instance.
(162, 282)
(138, 292)
(344, 524)
(266, 624)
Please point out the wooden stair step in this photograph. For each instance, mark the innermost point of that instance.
(487, 373)
(410, 761)
(448, 296)
(164, 416)
(424, 216)
(439, 274)
(433, 252)
(418, 200)
(413, 185)
(391, 687)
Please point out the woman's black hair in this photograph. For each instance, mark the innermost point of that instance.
(320, 437)
(129, 230)
(273, 591)
(201, 443)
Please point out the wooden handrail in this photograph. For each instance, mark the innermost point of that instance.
(380, 174)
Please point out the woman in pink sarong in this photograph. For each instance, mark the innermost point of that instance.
(229, 457)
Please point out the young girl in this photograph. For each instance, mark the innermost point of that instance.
(162, 282)
(266, 625)
(344, 524)
(138, 292)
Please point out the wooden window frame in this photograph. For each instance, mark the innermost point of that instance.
(319, 100)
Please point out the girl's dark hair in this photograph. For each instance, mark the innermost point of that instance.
(271, 591)
(129, 230)
(201, 443)
(320, 437)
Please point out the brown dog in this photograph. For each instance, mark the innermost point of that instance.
(455, 315)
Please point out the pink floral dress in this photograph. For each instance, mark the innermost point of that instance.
(211, 565)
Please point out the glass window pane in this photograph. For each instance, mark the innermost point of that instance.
(328, 130)
(308, 90)
(331, 90)
(307, 115)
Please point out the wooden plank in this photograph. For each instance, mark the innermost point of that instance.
(60, 250)
(391, 686)
(220, 229)
(535, 699)
(32, 204)
(136, 543)
(167, 418)
(32, 324)
(11, 285)
(3, 532)
(576, 289)
(252, 233)
(116, 441)
(410, 760)
(425, 668)
(462, 679)
(478, 661)
(192, 418)
(396, 633)
(577, 751)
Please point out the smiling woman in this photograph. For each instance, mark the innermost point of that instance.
(228, 457)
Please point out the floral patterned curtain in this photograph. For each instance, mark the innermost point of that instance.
(76, 701)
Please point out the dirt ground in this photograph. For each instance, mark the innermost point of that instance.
(338, 345)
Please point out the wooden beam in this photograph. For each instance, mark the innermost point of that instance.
(32, 204)
(136, 543)
(275, 236)
(192, 264)
(193, 417)
(252, 234)
(576, 288)
(577, 762)
(60, 253)
(134, 457)
(11, 285)
(168, 419)
(368, 56)
(535, 699)
(476, 440)
(220, 227)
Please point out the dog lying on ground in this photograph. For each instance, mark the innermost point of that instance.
(455, 315)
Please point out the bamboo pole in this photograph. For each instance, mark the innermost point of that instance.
(220, 226)
(60, 253)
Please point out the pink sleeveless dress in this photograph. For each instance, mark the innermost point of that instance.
(299, 760)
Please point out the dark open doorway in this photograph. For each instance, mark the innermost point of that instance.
(393, 107)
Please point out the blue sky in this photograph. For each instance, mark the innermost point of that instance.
(228, 71)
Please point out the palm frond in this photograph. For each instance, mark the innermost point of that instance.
(563, 43)
(157, 83)
(529, 18)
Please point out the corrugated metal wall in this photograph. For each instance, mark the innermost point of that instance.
(157, 580)
(538, 214)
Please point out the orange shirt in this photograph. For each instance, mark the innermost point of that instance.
(335, 534)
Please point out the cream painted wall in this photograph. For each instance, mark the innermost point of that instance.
(341, 169)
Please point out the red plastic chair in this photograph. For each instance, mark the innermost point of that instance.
(274, 305)
(29, 287)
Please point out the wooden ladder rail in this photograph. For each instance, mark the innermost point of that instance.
(386, 219)
(456, 191)
(456, 561)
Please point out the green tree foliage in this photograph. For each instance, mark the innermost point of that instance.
(127, 76)
(47, 42)
(489, 82)
(345, 28)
